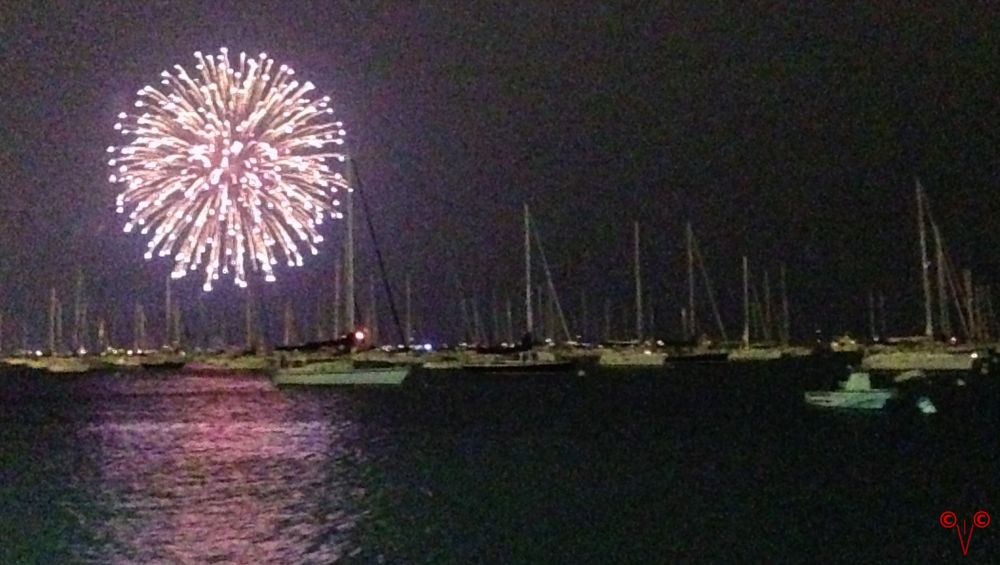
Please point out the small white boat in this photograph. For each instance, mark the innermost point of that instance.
(855, 394)
(340, 372)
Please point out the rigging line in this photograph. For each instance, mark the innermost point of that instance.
(378, 251)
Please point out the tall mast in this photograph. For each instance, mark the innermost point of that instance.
(884, 327)
(77, 299)
(785, 321)
(607, 319)
(349, 307)
(691, 330)
(466, 334)
(52, 321)
(638, 287)
(553, 301)
(495, 317)
(746, 304)
(477, 326)
(140, 327)
(583, 315)
(924, 263)
(168, 314)
(409, 313)
(320, 326)
(871, 316)
(708, 289)
(372, 310)
(768, 320)
(510, 321)
(942, 284)
(288, 323)
(338, 308)
(970, 306)
(247, 321)
(528, 321)
(177, 325)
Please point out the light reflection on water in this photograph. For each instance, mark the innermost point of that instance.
(193, 469)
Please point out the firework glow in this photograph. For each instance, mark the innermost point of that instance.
(229, 168)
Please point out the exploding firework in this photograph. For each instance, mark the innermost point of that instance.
(228, 168)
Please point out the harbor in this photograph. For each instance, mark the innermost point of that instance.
(484, 282)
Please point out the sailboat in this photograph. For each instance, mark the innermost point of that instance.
(746, 352)
(925, 352)
(636, 353)
(527, 357)
(333, 363)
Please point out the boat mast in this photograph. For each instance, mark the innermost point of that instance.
(945, 320)
(510, 320)
(52, 321)
(884, 327)
(168, 315)
(372, 322)
(691, 329)
(871, 316)
(746, 305)
(554, 301)
(970, 306)
(528, 321)
(785, 321)
(140, 328)
(247, 321)
(337, 306)
(77, 299)
(708, 288)
(409, 313)
(768, 320)
(349, 306)
(924, 263)
(607, 319)
(288, 323)
(177, 324)
(495, 316)
(638, 288)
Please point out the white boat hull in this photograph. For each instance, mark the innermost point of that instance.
(850, 400)
(338, 373)
(769, 354)
(918, 360)
(612, 358)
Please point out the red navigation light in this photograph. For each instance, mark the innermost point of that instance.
(359, 335)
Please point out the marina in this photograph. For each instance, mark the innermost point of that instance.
(487, 282)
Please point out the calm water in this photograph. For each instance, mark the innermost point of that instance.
(722, 467)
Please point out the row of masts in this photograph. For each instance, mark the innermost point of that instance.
(972, 303)
(544, 315)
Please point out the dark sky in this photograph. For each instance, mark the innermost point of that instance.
(789, 132)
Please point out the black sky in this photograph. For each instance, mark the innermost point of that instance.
(790, 132)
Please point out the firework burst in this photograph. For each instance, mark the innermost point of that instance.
(228, 168)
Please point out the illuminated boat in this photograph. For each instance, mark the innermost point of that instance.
(856, 393)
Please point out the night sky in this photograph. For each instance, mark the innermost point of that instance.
(789, 132)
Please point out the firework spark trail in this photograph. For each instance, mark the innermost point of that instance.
(228, 168)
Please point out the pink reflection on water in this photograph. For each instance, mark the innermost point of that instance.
(194, 475)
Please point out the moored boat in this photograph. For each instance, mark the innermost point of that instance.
(343, 371)
(856, 393)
